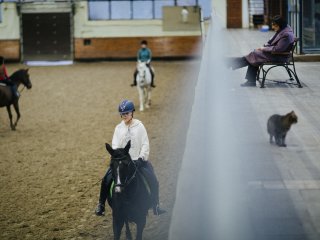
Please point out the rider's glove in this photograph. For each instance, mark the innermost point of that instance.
(139, 162)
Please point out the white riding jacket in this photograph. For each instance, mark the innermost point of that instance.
(135, 132)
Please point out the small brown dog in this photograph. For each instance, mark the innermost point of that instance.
(279, 125)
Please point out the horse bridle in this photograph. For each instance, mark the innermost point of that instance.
(127, 182)
(24, 86)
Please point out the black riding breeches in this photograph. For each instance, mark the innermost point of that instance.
(148, 172)
(105, 186)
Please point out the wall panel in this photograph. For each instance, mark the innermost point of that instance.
(10, 49)
(99, 48)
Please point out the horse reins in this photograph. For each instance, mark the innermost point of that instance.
(89, 189)
(132, 177)
(22, 89)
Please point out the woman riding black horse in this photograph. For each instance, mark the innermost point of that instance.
(129, 197)
(131, 129)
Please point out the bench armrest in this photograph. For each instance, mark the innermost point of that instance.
(280, 53)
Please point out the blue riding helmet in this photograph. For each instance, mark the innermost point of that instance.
(126, 106)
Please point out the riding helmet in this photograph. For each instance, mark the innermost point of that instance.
(126, 106)
(144, 42)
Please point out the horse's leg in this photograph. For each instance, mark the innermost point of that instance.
(117, 227)
(140, 226)
(16, 108)
(145, 99)
(10, 117)
(141, 98)
(148, 97)
(128, 232)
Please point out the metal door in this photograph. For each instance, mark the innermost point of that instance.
(46, 36)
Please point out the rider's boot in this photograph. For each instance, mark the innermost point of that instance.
(157, 210)
(105, 186)
(151, 178)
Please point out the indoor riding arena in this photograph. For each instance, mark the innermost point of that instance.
(51, 166)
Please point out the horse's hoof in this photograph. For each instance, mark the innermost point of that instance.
(147, 106)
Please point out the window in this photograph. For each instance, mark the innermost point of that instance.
(121, 10)
(311, 25)
(143, 10)
(158, 7)
(187, 2)
(206, 7)
(138, 9)
(99, 10)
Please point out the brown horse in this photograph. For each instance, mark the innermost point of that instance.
(6, 99)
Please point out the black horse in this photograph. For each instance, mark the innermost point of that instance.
(7, 99)
(130, 200)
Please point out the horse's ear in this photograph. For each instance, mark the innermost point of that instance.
(109, 149)
(127, 147)
(27, 69)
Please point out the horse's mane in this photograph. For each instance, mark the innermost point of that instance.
(18, 74)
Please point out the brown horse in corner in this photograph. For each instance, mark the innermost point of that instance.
(6, 99)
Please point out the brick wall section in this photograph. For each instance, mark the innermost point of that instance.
(10, 49)
(179, 46)
(100, 48)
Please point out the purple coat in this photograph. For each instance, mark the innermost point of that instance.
(281, 42)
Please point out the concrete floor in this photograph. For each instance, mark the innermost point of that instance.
(243, 187)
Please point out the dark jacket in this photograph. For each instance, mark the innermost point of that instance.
(281, 42)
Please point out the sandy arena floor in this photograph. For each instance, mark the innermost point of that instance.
(50, 166)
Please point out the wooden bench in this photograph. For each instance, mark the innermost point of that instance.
(289, 66)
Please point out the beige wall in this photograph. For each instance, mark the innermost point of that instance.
(220, 10)
(83, 28)
(10, 25)
(130, 30)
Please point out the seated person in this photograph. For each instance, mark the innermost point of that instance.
(282, 41)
